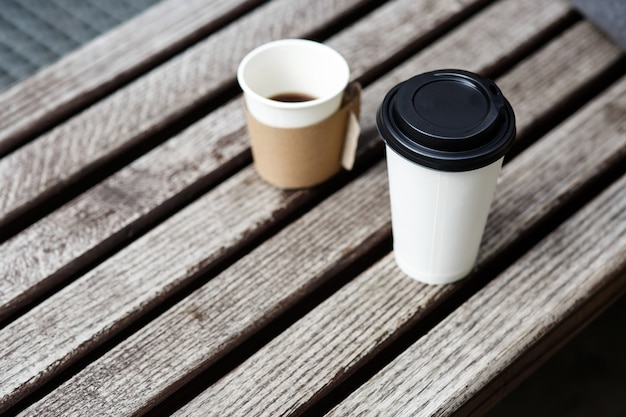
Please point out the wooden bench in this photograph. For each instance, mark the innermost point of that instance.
(148, 270)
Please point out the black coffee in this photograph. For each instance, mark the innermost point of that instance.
(292, 97)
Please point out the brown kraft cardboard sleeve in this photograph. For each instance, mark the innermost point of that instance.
(307, 156)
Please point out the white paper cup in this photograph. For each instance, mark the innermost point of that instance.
(446, 134)
(293, 66)
(438, 217)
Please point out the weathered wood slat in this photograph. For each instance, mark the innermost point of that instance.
(317, 353)
(474, 356)
(50, 250)
(121, 288)
(98, 67)
(251, 292)
(583, 45)
(60, 157)
(398, 26)
(202, 339)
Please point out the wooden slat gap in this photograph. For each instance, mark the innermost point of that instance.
(92, 174)
(372, 251)
(341, 22)
(131, 232)
(567, 107)
(306, 200)
(368, 253)
(453, 296)
(408, 51)
(535, 44)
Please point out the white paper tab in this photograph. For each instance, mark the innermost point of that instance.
(353, 131)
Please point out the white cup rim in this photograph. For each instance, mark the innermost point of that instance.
(291, 105)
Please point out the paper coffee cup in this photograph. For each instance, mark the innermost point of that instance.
(293, 91)
(446, 134)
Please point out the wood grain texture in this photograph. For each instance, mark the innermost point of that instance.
(582, 53)
(51, 335)
(60, 157)
(166, 365)
(50, 250)
(61, 88)
(311, 357)
(397, 26)
(537, 304)
(592, 140)
(230, 306)
(339, 336)
(109, 214)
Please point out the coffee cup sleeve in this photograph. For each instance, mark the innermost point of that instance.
(302, 157)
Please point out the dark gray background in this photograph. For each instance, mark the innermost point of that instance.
(35, 33)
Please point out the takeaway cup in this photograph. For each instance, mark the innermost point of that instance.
(446, 134)
(292, 89)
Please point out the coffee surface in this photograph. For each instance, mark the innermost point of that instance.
(292, 97)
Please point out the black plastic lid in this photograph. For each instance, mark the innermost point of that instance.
(451, 120)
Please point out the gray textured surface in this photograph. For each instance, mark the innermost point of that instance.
(608, 15)
(35, 33)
